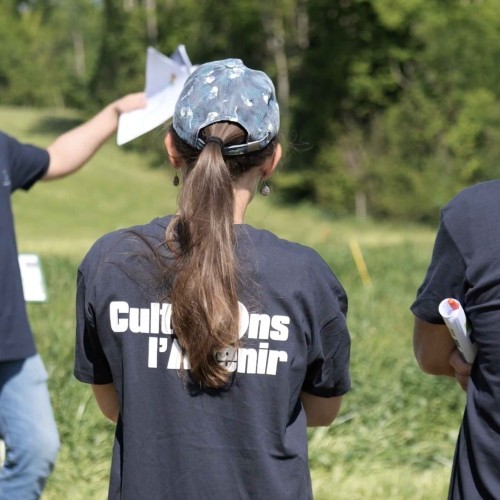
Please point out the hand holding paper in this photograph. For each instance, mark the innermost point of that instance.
(454, 317)
(165, 77)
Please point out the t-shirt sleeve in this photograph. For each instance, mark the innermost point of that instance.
(445, 278)
(329, 344)
(91, 365)
(28, 164)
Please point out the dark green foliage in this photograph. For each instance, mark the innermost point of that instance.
(389, 107)
(120, 65)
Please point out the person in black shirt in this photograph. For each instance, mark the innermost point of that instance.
(27, 425)
(213, 344)
(466, 266)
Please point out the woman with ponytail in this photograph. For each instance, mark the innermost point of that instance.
(213, 344)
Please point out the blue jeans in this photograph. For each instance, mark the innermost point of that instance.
(28, 429)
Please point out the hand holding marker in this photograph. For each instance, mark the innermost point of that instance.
(454, 317)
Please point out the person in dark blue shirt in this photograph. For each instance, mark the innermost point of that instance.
(27, 424)
(465, 266)
(213, 344)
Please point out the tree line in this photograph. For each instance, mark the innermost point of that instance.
(389, 106)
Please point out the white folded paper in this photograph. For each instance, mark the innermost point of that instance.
(165, 77)
(34, 288)
(454, 317)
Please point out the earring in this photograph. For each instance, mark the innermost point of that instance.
(265, 190)
(175, 182)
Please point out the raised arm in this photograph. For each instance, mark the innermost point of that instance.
(74, 148)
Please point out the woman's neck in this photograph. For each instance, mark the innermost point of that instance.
(242, 198)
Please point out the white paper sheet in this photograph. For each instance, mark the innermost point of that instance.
(34, 288)
(165, 77)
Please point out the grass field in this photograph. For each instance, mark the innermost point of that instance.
(394, 438)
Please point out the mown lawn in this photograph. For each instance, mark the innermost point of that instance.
(395, 435)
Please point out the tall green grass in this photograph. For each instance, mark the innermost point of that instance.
(394, 437)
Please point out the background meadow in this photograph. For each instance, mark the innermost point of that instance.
(395, 435)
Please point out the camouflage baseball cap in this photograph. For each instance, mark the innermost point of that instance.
(228, 91)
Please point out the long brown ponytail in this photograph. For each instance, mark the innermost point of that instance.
(204, 293)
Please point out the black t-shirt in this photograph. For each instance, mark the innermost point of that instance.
(247, 442)
(21, 166)
(466, 265)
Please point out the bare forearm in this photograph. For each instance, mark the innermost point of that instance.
(73, 149)
(320, 411)
(432, 345)
(107, 399)
(437, 354)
